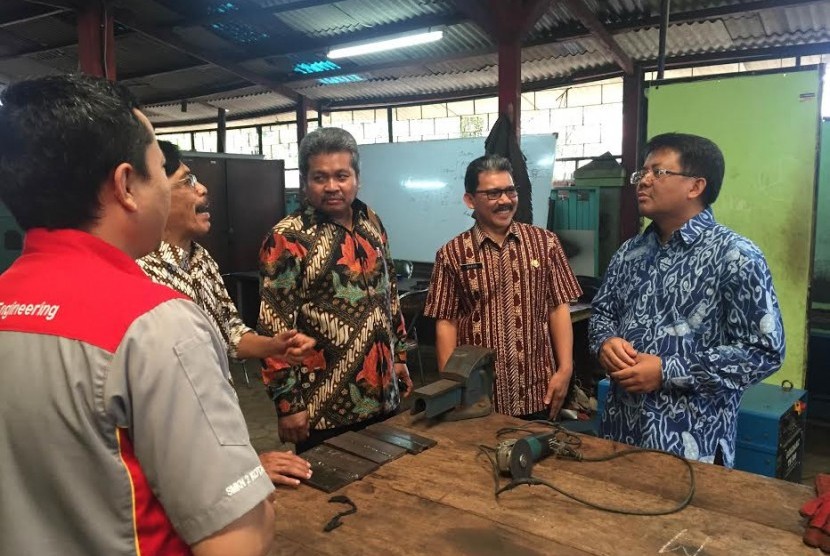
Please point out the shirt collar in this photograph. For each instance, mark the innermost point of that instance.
(479, 237)
(693, 227)
(359, 210)
(182, 258)
(67, 240)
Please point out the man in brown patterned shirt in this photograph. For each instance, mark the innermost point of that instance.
(506, 286)
(326, 271)
(187, 267)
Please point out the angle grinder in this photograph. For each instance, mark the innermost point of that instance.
(517, 456)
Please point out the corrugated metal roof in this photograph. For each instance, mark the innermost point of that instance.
(465, 60)
(141, 54)
(464, 37)
(339, 18)
(48, 30)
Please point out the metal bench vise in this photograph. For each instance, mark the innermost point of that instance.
(465, 389)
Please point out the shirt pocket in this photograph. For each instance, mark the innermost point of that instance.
(214, 393)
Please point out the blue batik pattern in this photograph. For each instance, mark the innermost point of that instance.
(704, 302)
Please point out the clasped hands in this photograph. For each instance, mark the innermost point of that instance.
(635, 372)
(292, 346)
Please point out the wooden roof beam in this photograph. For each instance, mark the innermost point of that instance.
(254, 14)
(31, 15)
(166, 37)
(606, 41)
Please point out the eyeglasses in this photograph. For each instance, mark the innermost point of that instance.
(495, 194)
(189, 180)
(658, 173)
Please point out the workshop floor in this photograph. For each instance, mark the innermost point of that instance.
(262, 422)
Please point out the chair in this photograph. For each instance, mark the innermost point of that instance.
(412, 307)
(243, 288)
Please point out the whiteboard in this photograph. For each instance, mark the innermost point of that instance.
(417, 188)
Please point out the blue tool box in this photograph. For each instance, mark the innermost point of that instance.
(771, 430)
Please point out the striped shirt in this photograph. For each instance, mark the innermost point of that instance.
(500, 298)
(195, 274)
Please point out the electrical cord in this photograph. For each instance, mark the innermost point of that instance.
(566, 446)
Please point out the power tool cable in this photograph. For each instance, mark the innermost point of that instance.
(566, 446)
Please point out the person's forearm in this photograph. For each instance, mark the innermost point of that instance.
(250, 535)
(561, 336)
(253, 346)
(446, 338)
(726, 367)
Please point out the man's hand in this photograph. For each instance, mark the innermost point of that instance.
(616, 354)
(283, 467)
(646, 375)
(294, 428)
(557, 390)
(291, 346)
(402, 372)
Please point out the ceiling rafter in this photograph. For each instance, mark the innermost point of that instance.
(314, 46)
(601, 72)
(573, 32)
(606, 41)
(252, 13)
(302, 44)
(128, 77)
(197, 94)
(31, 15)
(169, 38)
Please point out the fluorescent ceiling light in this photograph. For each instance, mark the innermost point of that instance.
(337, 79)
(427, 185)
(387, 44)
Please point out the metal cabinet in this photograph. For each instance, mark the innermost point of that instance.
(247, 197)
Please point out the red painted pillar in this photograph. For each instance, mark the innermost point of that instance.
(302, 118)
(632, 142)
(96, 42)
(510, 80)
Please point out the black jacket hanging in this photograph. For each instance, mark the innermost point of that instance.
(502, 141)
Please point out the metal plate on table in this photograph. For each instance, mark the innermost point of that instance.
(332, 469)
(414, 443)
(367, 447)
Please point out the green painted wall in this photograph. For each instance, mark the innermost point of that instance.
(821, 267)
(767, 127)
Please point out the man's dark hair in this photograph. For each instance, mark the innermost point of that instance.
(172, 156)
(327, 140)
(60, 138)
(486, 163)
(698, 157)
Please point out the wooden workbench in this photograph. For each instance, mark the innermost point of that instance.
(441, 502)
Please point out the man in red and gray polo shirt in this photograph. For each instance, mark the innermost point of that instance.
(119, 431)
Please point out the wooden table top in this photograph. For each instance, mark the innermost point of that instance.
(442, 502)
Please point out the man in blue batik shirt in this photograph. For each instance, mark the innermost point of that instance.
(687, 317)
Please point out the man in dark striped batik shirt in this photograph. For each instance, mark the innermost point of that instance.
(506, 286)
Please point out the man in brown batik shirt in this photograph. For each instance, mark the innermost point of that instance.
(506, 286)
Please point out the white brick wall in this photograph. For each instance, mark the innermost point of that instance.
(485, 105)
(562, 117)
(407, 113)
(434, 111)
(449, 126)
(461, 108)
(584, 96)
(553, 98)
(588, 119)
